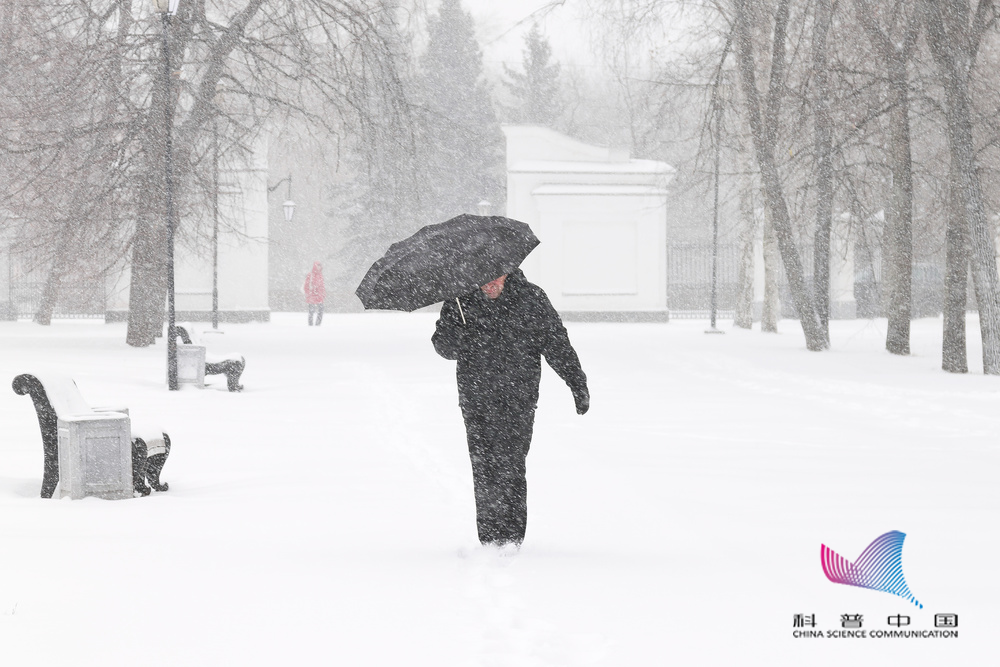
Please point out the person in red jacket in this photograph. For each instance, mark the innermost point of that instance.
(315, 293)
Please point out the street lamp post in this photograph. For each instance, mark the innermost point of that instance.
(288, 206)
(215, 219)
(715, 220)
(166, 9)
(715, 214)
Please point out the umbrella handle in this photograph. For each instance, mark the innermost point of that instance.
(460, 309)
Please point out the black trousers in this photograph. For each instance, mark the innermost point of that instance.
(318, 309)
(498, 448)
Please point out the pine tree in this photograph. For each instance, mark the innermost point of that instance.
(462, 142)
(536, 91)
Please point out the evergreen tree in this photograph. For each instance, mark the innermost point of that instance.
(463, 147)
(385, 197)
(536, 91)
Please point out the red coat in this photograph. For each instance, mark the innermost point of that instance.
(314, 288)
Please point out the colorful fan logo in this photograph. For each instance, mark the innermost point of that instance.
(879, 567)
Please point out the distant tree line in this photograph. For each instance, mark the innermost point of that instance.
(85, 109)
(84, 116)
(882, 114)
(878, 115)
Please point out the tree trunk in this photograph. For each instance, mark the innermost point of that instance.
(895, 52)
(771, 311)
(764, 133)
(148, 286)
(983, 255)
(748, 238)
(53, 282)
(899, 215)
(50, 294)
(954, 44)
(954, 357)
(824, 167)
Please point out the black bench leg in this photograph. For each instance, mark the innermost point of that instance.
(50, 474)
(233, 374)
(148, 468)
(48, 424)
(154, 465)
(139, 463)
(232, 368)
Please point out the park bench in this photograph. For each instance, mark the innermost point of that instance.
(95, 451)
(194, 361)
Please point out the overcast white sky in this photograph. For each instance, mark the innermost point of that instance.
(570, 27)
(502, 25)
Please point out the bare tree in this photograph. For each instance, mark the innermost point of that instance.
(763, 118)
(823, 16)
(954, 355)
(873, 108)
(771, 307)
(748, 239)
(894, 45)
(330, 62)
(954, 33)
(59, 158)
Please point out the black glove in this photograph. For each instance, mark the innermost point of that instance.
(582, 398)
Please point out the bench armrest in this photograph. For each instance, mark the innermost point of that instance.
(105, 408)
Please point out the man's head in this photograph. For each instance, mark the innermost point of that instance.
(493, 289)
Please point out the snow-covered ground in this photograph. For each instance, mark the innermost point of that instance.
(325, 515)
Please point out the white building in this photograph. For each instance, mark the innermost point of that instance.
(602, 222)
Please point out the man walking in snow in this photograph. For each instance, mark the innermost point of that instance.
(498, 335)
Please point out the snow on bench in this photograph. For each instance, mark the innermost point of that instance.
(99, 451)
(231, 364)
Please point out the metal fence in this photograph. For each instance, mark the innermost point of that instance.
(689, 283)
(689, 279)
(80, 296)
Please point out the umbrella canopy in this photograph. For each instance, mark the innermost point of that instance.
(444, 261)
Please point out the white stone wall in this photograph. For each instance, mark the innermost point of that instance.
(601, 219)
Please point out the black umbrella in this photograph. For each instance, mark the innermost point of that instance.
(444, 261)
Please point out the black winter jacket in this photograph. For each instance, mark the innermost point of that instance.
(500, 345)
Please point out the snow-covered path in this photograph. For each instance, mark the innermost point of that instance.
(325, 515)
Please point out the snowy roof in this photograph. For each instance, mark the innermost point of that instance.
(589, 167)
(611, 190)
(534, 148)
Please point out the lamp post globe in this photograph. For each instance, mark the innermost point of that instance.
(289, 208)
(168, 7)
